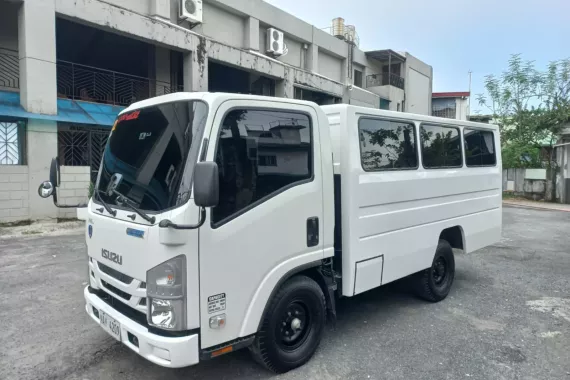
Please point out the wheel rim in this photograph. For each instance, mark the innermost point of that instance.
(440, 271)
(294, 325)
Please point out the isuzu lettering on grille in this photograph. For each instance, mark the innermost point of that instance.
(112, 256)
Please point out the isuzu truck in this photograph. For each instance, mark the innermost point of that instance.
(225, 221)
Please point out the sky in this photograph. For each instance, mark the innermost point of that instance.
(453, 36)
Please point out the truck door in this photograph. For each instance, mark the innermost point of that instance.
(269, 217)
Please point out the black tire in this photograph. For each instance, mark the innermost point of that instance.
(292, 326)
(434, 283)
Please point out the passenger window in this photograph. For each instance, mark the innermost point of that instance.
(386, 145)
(441, 147)
(479, 147)
(260, 153)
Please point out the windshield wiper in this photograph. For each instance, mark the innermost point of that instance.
(125, 202)
(107, 207)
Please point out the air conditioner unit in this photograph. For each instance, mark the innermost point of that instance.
(275, 42)
(191, 10)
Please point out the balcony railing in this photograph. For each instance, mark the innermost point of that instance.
(384, 79)
(93, 84)
(80, 82)
(9, 69)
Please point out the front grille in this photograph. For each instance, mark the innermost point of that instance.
(115, 273)
(126, 310)
(118, 292)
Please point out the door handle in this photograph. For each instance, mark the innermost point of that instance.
(312, 231)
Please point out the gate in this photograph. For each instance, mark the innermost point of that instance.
(82, 146)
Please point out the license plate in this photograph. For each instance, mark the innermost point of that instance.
(110, 325)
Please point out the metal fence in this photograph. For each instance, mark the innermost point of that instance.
(384, 79)
(82, 146)
(93, 84)
(9, 69)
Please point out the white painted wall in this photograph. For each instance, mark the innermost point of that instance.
(14, 193)
(462, 109)
(418, 92)
(418, 86)
(330, 67)
(74, 188)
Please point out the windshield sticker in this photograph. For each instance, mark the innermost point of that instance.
(129, 116)
(216, 303)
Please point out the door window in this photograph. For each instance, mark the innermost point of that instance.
(259, 154)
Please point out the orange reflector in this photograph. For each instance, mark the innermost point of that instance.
(222, 351)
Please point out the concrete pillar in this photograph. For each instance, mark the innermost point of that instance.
(284, 88)
(36, 48)
(41, 147)
(312, 58)
(251, 34)
(196, 68)
(160, 9)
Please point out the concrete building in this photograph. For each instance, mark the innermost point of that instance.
(452, 105)
(68, 67)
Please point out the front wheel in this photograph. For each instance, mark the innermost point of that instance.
(434, 283)
(292, 327)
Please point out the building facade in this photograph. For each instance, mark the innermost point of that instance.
(451, 105)
(68, 67)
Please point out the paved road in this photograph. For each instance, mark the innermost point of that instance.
(507, 317)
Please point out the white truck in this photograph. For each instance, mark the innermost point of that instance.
(224, 221)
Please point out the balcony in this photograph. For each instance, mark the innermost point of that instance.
(92, 84)
(384, 79)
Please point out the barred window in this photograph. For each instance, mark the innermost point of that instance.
(12, 142)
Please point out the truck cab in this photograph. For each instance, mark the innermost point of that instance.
(176, 279)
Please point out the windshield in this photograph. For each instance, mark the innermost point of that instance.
(147, 154)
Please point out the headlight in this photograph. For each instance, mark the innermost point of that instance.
(166, 293)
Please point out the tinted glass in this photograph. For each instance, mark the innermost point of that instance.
(479, 147)
(149, 148)
(387, 145)
(259, 153)
(441, 146)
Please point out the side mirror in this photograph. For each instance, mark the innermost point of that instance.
(54, 176)
(206, 184)
(46, 189)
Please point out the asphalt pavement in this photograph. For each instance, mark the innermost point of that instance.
(507, 317)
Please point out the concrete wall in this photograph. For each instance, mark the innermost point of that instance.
(293, 56)
(528, 183)
(362, 98)
(41, 148)
(14, 193)
(73, 189)
(330, 67)
(139, 6)
(221, 25)
(418, 85)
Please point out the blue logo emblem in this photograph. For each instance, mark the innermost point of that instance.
(135, 233)
(90, 230)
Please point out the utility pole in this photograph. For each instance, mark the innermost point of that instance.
(469, 103)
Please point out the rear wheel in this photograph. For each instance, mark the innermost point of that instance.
(293, 326)
(434, 283)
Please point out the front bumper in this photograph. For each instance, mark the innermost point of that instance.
(171, 352)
